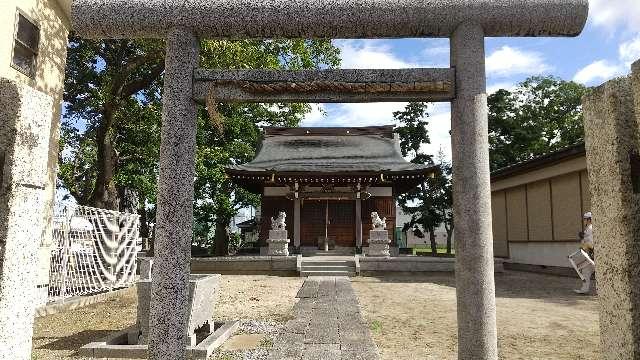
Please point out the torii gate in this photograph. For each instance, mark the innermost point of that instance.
(465, 22)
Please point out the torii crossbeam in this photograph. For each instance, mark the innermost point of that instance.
(465, 22)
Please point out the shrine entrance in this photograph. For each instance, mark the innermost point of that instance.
(331, 219)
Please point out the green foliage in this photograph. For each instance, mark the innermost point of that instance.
(110, 134)
(541, 115)
(376, 326)
(428, 204)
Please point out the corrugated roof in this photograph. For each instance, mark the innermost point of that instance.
(346, 150)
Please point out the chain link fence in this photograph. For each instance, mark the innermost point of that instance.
(94, 250)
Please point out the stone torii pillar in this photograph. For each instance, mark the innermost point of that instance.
(172, 250)
(466, 22)
(476, 305)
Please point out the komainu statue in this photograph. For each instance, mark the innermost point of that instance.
(278, 223)
(377, 223)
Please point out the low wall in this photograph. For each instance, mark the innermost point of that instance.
(413, 264)
(281, 265)
(552, 254)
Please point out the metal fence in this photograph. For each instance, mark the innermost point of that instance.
(94, 250)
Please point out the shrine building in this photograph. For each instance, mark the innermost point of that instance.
(328, 181)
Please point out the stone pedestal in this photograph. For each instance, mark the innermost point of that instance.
(379, 242)
(612, 136)
(278, 243)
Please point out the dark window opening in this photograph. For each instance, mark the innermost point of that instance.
(25, 46)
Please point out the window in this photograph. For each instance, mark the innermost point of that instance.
(25, 48)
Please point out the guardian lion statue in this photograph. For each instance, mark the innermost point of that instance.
(377, 223)
(278, 223)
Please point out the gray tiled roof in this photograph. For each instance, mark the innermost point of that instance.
(329, 153)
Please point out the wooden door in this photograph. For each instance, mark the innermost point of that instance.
(342, 222)
(312, 219)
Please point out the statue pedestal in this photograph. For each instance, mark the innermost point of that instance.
(379, 243)
(278, 243)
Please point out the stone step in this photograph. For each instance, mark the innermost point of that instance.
(329, 263)
(327, 267)
(327, 273)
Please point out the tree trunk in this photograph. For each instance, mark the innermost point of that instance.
(105, 194)
(221, 242)
(432, 239)
(449, 234)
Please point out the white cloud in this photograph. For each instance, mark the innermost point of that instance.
(598, 71)
(369, 54)
(508, 61)
(630, 51)
(315, 117)
(501, 85)
(611, 14)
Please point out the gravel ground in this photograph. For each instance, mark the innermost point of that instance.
(539, 317)
(412, 316)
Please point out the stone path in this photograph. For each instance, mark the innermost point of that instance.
(327, 324)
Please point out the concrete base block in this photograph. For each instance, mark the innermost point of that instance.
(120, 346)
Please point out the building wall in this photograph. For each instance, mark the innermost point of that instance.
(53, 22)
(537, 214)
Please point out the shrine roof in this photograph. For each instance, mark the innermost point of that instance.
(329, 151)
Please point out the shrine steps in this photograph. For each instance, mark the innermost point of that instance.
(318, 266)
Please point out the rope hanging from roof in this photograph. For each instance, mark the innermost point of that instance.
(335, 86)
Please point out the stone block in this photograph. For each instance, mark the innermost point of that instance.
(202, 301)
(278, 234)
(278, 243)
(379, 236)
(612, 137)
(25, 116)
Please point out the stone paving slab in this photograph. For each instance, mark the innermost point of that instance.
(328, 324)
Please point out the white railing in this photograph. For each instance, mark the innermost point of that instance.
(94, 250)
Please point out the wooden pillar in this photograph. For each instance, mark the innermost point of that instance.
(296, 223)
(359, 223)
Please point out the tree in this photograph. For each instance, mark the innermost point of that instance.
(417, 202)
(111, 125)
(541, 115)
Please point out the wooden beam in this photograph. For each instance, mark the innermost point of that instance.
(324, 86)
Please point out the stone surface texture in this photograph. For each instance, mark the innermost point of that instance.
(170, 291)
(326, 18)
(327, 324)
(278, 243)
(229, 85)
(203, 294)
(378, 243)
(612, 135)
(477, 334)
(25, 116)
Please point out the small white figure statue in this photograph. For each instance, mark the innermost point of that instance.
(278, 223)
(377, 223)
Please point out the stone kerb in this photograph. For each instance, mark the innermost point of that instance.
(612, 137)
(278, 243)
(379, 242)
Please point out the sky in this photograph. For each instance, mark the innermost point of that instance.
(608, 45)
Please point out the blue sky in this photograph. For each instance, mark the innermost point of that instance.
(605, 49)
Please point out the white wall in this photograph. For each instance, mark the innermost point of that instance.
(542, 253)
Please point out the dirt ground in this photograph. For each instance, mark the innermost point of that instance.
(539, 317)
(411, 316)
(257, 297)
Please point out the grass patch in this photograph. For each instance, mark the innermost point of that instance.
(439, 250)
(266, 343)
(376, 326)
